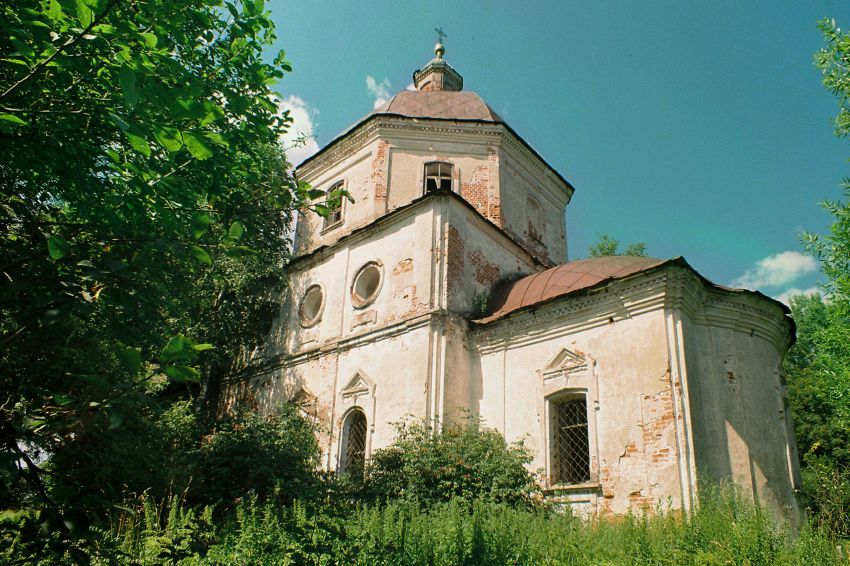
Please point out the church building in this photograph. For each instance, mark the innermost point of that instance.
(443, 287)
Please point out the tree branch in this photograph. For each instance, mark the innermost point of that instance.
(70, 43)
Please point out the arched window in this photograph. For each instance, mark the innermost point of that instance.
(353, 448)
(334, 204)
(570, 446)
(438, 176)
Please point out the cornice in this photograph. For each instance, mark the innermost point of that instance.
(669, 286)
(371, 127)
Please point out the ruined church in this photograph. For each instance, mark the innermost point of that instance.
(444, 286)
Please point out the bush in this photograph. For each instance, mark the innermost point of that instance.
(466, 460)
(273, 455)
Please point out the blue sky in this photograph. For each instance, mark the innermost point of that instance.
(700, 128)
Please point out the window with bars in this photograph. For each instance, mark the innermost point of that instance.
(438, 175)
(570, 447)
(334, 205)
(354, 448)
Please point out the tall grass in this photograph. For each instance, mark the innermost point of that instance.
(726, 529)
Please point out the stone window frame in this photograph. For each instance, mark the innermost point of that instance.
(347, 420)
(570, 374)
(553, 404)
(299, 313)
(362, 302)
(331, 222)
(453, 174)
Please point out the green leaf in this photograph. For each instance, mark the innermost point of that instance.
(202, 347)
(131, 359)
(169, 138)
(200, 223)
(178, 348)
(137, 140)
(127, 78)
(201, 255)
(216, 138)
(62, 399)
(11, 119)
(196, 146)
(236, 230)
(57, 247)
(181, 373)
(149, 39)
(84, 13)
(33, 423)
(116, 418)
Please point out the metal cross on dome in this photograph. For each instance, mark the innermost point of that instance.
(440, 34)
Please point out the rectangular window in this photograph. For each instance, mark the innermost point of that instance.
(570, 447)
(438, 176)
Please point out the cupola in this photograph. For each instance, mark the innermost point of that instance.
(437, 74)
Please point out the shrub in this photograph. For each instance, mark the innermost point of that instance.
(465, 460)
(273, 455)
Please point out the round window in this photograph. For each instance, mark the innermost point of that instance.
(311, 306)
(366, 285)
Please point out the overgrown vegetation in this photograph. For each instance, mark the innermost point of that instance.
(144, 205)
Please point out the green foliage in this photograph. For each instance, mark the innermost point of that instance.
(833, 250)
(144, 204)
(608, 246)
(276, 455)
(817, 370)
(465, 460)
(726, 529)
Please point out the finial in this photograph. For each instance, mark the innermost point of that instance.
(440, 49)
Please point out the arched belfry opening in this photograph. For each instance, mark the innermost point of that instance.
(352, 455)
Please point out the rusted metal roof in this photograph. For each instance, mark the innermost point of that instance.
(444, 104)
(564, 279)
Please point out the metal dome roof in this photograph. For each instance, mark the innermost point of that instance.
(564, 279)
(439, 104)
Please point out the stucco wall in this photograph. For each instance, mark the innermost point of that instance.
(634, 459)
(740, 421)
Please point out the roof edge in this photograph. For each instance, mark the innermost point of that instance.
(371, 117)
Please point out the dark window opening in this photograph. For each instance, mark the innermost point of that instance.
(571, 452)
(334, 205)
(438, 176)
(354, 451)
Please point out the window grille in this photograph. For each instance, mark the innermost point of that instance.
(438, 176)
(571, 452)
(334, 205)
(354, 455)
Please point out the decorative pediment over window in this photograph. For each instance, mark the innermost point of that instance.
(359, 385)
(565, 362)
(307, 402)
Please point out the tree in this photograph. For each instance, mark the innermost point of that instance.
(143, 216)
(608, 246)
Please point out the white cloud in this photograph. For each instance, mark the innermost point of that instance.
(380, 90)
(411, 86)
(777, 270)
(299, 142)
(786, 295)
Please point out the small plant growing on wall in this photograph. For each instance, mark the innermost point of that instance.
(479, 304)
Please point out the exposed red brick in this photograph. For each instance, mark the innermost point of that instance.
(379, 174)
(454, 259)
(486, 273)
(476, 190)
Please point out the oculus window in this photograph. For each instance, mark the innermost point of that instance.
(366, 285)
(312, 305)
